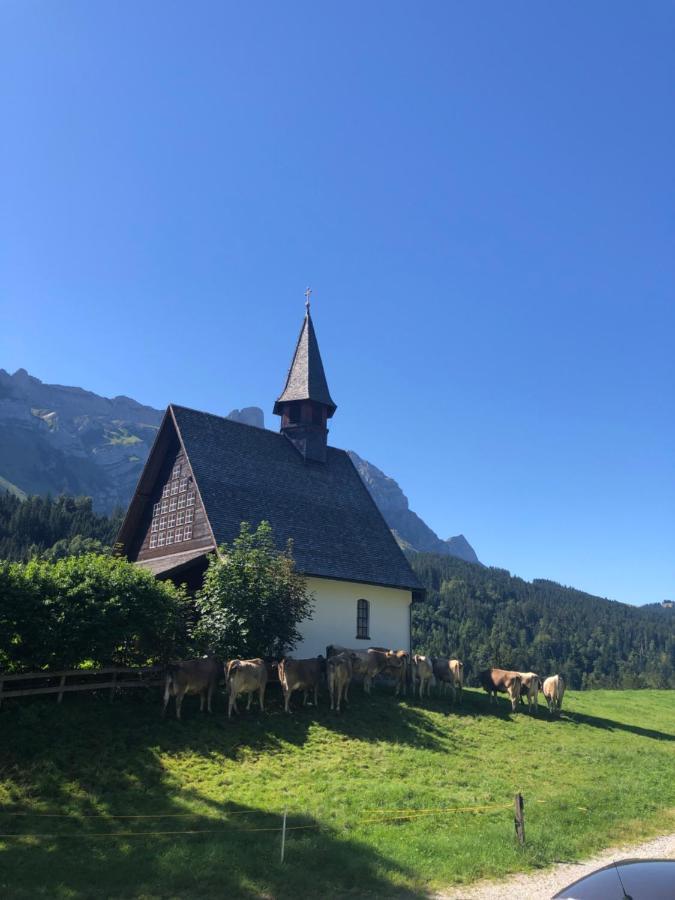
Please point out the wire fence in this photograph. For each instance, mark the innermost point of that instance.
(376, 816)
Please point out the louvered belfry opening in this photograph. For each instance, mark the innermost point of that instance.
(305, 404)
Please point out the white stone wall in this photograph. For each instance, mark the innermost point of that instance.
(334, 620)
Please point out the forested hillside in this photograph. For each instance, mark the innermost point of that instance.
(52, 528)
(487, 617)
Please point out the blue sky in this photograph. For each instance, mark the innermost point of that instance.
(481, 196)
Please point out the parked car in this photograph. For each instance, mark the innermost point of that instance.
(629, 879)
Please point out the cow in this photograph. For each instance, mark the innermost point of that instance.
(339, 674)
(501, 681)
(530, 684)
(554, 690)
(398, 668)
(245, 676)
(368, 664)
(191, 676)
(301, 674)
(449, 673)
(457, 673)
(423, 673)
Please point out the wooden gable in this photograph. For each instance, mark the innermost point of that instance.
(166, 517)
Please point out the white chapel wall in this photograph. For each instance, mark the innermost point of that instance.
(334, 620)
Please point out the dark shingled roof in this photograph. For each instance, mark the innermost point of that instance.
(247, 474)
(306, 379)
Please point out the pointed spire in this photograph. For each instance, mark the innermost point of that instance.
(306, 378)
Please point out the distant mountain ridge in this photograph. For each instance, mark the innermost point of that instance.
(66, 440)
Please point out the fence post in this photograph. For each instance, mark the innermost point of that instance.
(283, 836)
(519, 820)
(59, 696)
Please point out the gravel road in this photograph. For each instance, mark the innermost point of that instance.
(542, 885)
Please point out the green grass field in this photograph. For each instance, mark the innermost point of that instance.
(603, 773)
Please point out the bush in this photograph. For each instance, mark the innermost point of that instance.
(91, 609)
(253, 599)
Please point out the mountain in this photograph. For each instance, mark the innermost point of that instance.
(410, 531)
(65, 440)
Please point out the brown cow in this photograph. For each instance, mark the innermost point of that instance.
(339, 673)
(501, 681)
(554, 691)
(422, 673)
(191, 676)
(245, 676)
(449, 674)
(301, 674)
(530, 684)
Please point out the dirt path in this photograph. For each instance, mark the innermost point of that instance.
(542, 885)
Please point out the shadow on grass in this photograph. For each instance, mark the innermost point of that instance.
(612, 725)
(103, 762)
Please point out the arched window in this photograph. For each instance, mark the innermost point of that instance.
(363, 620)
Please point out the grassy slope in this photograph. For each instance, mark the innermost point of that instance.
(612, 753)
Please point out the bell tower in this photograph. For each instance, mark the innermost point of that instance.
(305, 404)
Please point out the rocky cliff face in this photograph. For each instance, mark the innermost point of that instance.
(65, 440)
(410, 531)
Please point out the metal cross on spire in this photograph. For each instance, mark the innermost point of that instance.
(308, 294)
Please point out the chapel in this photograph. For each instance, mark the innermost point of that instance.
(207, 474)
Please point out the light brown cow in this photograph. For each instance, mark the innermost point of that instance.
(449, 674)
(339, 674)
(501, 681)
(554, 691)
(457, 673)
(367, 664)
(530, 683)
(398, 668)
(301, 674)
(191, 676)
(245, 676)
(422, 673)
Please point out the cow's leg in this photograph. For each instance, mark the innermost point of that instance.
(316, 694)
(179, 702)
(202, 697)
(167, 693)
(209, 695)
(250, 697)
(261, 697)
(232, 704)
(287, 698)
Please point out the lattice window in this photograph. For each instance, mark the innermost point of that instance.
(172, 504)
(191, 498)
(187, 534)
(169, 537)
(363, 619)
(155, 525)
(181, 501)
(165, 505)
(189, 515)
(183, 484)
(155, 509)
(180, 518)
(176, 471)
(153, 541)
(179, 535)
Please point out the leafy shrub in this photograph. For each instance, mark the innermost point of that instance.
(253, 599)
(86, 609)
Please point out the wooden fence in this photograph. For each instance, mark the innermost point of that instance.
(113, 679)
